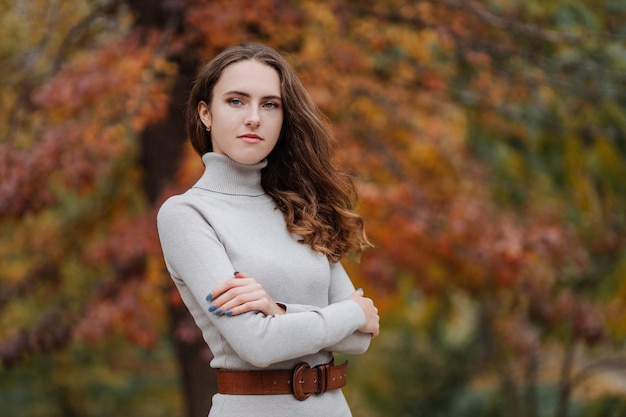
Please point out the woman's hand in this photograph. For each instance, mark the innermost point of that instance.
(242, 294)
(372, 325)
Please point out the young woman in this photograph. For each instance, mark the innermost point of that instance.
(254, 246)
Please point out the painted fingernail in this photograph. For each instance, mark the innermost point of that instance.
(217, 312)
(235, 273)
(229, 312)
(211, 308)
(360, 289)
(209, 296)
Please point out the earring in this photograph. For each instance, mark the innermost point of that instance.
(208, 128)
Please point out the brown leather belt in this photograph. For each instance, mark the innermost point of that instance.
(302, 381)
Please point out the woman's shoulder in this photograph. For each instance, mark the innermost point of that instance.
(177, 200)
(178, 205)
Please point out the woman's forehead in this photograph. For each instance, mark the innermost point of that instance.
(249, 77)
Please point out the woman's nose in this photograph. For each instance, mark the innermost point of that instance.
(252, 118)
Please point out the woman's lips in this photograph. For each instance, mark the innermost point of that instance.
(251, 138)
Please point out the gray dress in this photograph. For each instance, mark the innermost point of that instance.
(226, 223)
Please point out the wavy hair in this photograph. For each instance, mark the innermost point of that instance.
(316, 199)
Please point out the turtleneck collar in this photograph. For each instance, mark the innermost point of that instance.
(226, 176)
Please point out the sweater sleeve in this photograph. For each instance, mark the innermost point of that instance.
(195, 256)
(341, 288)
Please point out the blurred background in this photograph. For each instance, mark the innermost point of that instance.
(488, 142)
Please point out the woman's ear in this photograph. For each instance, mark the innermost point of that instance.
(205, 114)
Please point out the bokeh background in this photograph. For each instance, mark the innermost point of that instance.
(488, 142)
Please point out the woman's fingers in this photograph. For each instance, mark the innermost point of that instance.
(233, 288)
(230, 283)
(372, 319)
(224, 286)
(253, 305)
(240, 295)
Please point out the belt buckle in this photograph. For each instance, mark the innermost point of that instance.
(323, 375)
(297, 381)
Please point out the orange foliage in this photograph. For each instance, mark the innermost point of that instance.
(385, 75)
(428, 204)
(85, 230)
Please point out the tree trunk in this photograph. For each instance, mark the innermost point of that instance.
(199, 381)
(161, 151)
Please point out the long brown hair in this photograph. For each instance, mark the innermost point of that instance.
(316, 199)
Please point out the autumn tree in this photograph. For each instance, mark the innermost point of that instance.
(489, 191)
(80, 82)
(476, 183)
(486, 138)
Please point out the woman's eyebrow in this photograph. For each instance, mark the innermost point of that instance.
(244, 94)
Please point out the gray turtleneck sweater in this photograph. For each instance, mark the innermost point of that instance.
(227, 223)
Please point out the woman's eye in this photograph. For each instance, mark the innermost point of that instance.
(235, 101)
(270, 105)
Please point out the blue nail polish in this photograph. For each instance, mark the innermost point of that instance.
(217, 312)
(211, 308)
(209, 296)
(229, 312)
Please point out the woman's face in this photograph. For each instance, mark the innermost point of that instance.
(246, 113)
